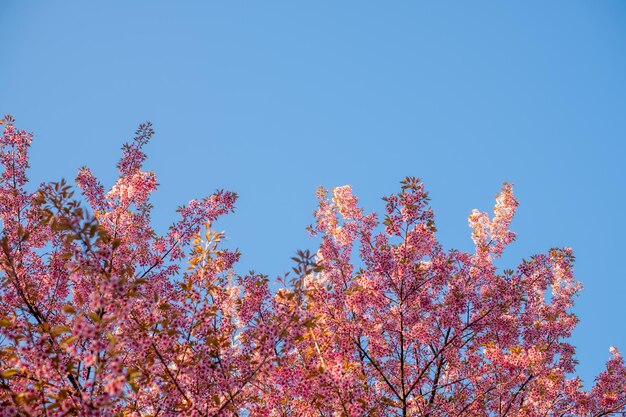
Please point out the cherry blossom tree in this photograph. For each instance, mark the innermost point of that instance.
(100, 315)
(403, 327)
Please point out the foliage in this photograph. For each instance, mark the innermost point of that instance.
(99, 316)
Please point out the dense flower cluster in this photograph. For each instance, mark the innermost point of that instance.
(101, 316)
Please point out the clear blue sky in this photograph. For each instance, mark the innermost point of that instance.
(270, 99)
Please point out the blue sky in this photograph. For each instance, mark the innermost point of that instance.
(271, 99)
